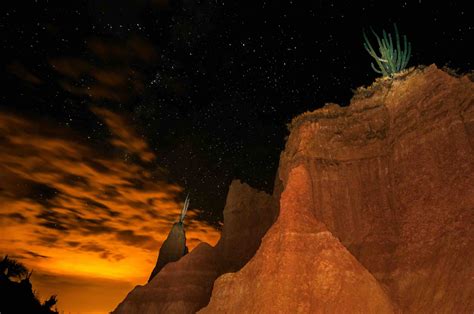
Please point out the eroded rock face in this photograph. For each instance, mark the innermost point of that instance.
(300, 267)
(393, 179)
(185, 286)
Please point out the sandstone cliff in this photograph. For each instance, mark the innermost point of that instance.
(377, 213)
(393, 179)
(300, 267)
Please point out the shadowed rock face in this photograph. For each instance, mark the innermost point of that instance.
(377, 215)
(172, 249)
(180, 287)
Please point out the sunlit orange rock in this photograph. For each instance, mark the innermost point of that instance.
(393, 179)
(300, 267)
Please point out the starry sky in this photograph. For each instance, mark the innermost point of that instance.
(112, 111)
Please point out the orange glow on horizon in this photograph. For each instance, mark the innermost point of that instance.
(88, 222)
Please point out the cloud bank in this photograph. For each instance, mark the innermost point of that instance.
(71, 209)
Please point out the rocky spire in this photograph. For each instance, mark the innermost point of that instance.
(174, 247)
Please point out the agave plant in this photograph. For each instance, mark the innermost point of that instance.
(392, 58)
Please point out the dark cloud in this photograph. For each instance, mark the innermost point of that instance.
(110, 191)
(48, 240)
(53, 220)
(110, 256)
(75, 180)
(139, 205)
(72, 244)
(114, 214)
(97, 166)
(93, 247)
(135, 183)
(27, 189)
(41, 192)
(93, 226)
(54, 225)
(88, 202)
(34, 254)
(130, 238)
(151, 212)
(16, 217)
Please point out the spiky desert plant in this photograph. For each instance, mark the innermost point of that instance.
(392, 58)
(184, 210)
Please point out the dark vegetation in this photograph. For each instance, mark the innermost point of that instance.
(16, 292)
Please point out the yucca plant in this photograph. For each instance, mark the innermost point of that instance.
(184, 210)
(392, 58)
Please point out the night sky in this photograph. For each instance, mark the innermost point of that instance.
(221, 78)
(193, 94)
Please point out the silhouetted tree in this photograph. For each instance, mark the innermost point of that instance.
(50, 302)
(12, 269)
(16, 291)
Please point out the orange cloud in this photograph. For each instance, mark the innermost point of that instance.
(71, 67)
(20, 71)
(137, 48)
(69, 210)
(116, 78)
(124, 137)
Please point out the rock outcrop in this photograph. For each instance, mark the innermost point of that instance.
(185, 286)
(393, 179)
(300, 267)
(172, 249)
(376, 215)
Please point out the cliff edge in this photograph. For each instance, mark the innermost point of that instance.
(393, 179)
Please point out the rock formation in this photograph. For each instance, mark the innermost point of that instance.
(180, 287)
(185, 286)
(300, 267)
(172, 249)
(376, 215)
(393, 179)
